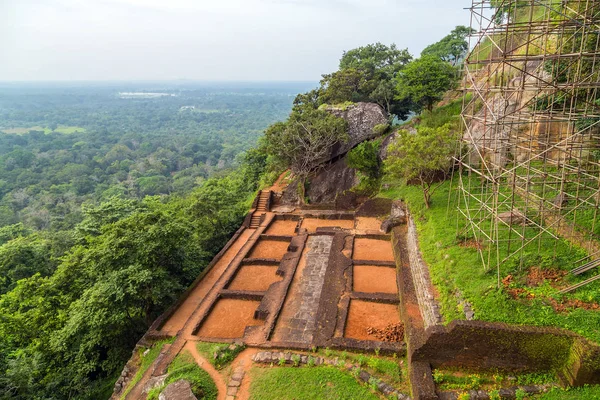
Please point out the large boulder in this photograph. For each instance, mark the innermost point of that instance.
(331, 181)
(362, 118)
(180, 390)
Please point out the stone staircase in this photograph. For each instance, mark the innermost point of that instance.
(262, 207)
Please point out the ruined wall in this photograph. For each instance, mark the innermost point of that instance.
(486, 345)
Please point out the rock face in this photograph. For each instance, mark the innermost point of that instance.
(180, 390)
(514, 217)
(396, 218)
(361, 119)
(334, 179)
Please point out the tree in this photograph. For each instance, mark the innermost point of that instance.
(422, 157)
(367, 74)
(305, 140)
(424, 82)
(452, 48)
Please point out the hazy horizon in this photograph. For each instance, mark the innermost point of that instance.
(206, 41)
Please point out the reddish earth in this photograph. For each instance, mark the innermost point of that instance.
(471, 244)
(371, 279)
(185, 310)
(363, 315)
(282, 228)
(205, 365)
(269, 249)
(372, 249)
(311, 224)
(368, 224)
(537, 276)
(229, 318)
(391, 333)
(255, 278)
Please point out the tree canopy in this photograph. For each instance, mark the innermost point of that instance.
(424, 81)
(367, 74)
(452, 48)
(422, 158)
(305, 140)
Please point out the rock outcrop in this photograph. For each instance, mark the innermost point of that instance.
(180, 390)
(334, 179)
(362, 118)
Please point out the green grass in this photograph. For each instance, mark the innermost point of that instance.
(583, 393)
(146, 362)
(184, 367)
(448, 114)
(60, 129)
(462, 380)
(226, 355)
(392, 370)
(455, 268)
(323, 383)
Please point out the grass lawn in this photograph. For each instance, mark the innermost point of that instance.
(459, 269)
(308, 383)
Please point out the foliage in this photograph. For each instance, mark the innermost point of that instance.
(367, 74)
(184, 367)
(145, 362)
(365, 158)
(305, 140)
(452, 48)
(586, 392)
(220, 355)
(306, 384)
(424, 81)
(455, 268)
(422, 157)
(127, 148)
(65, 333)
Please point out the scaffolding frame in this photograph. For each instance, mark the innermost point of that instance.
(529, 167)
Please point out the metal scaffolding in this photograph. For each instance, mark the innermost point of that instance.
(529, 169)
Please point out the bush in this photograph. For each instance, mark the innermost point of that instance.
(381, 129)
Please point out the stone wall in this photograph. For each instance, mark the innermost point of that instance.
(489, 346)
(420, 274)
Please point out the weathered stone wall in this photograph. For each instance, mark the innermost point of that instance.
(420, 274)
(486, 345)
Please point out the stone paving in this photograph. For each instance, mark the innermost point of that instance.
(301, 312)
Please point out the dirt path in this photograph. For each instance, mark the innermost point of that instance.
(208, 367)
(244, 360)
(279, 186)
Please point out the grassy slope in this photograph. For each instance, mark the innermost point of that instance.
(454, 267)
(288, 383)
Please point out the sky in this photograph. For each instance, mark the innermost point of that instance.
(207, 40)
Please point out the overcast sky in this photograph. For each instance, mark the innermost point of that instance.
(207, 39)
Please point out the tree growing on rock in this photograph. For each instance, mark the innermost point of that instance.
(305, 140)
(424, 82)
(423, 158)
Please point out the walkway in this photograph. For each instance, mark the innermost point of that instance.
(297, 322)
